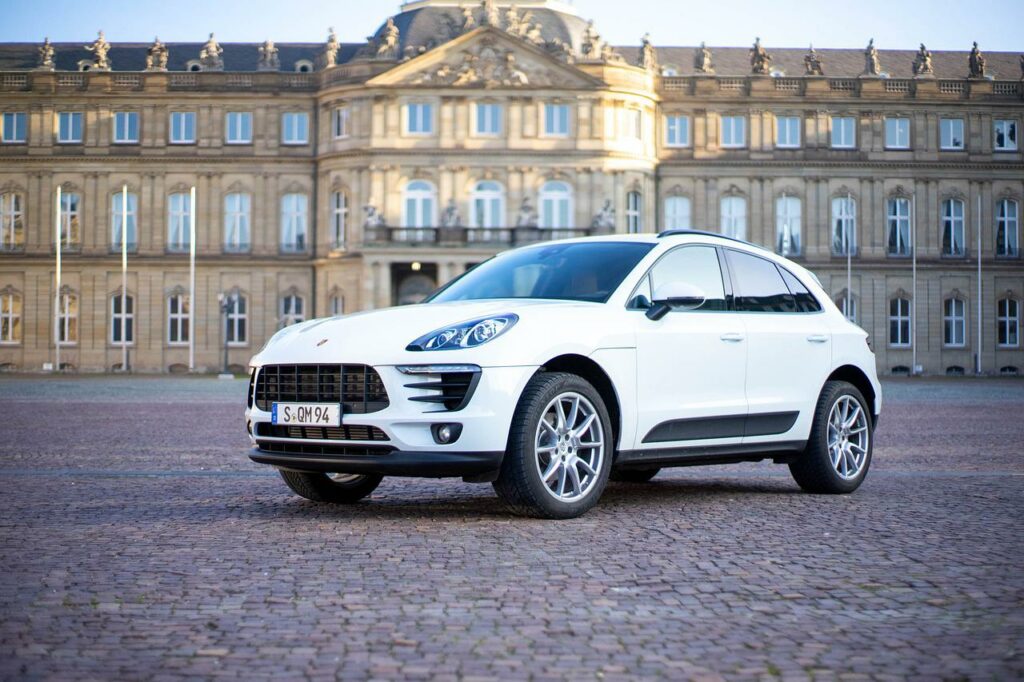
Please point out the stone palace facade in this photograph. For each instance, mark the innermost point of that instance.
(336, 177)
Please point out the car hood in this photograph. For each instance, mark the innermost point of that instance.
(379, 337)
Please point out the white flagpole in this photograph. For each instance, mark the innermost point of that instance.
(192, 280)
(56, 290)
(913, 286)
(124, 278)
(977, 367)
(849, 258)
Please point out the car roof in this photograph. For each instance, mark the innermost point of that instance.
(667, 236)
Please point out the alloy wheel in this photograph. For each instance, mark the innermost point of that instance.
(848, 436)
(569, 447)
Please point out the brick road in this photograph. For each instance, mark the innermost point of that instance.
(138, 542)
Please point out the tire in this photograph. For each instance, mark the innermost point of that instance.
(633, 475)
(557, 448)
(323, 488)
(814, 470)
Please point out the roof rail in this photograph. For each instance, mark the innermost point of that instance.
(705, 233)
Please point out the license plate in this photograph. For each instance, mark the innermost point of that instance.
(306, 414)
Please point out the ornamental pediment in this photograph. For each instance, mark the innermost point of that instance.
(486, 58)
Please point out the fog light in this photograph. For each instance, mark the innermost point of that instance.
(446, 434)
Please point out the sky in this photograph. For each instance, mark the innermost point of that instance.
(894, 24)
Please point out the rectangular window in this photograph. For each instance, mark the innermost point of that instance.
(844, 226)
(294, 221)
(419, 118)
(844, 132)
(787, 132)
(238, 127)
(953, 238)
(787, 226)
(954, 323)
(734, 132)
(122, 319)
(635, 124)
(295, 128)
(119, 216)
(10, 318)
(12, 221)
(179, 226)
(677, 213)
(488, 118)
(70, 220)
(126, 127)
(1008, 323)
(14, 127)
(292, 310)
(898, 225)
(951, 133)
(69, 127)
(897, 133)
(634, 213)
(237, 332)
(67, 320)
(341, 122)
(734, 217)
(899, 322)
(677, 131)
(1007, 239)
(183, 127)
(177, 319)
(1005, 136)
(237, 218)
(556, 120)
(339, 219)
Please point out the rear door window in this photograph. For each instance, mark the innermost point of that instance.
(805, 301)
(759, 286)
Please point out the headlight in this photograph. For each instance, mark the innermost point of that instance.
(468, 334)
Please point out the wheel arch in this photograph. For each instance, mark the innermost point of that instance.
(588, 369)
(856, 376)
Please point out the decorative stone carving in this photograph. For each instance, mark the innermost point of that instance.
(491, 14)
(527, 216)
(561, 50)
(46, 53)
(100, 49)
(269, 61)
(608, 54)
(156, 56)
(468, 20)
(605, 218)
(648, 57)
(872, 66)
(922, 65)
(484, 65)
(590, 47)
(812, 63)
(329, 57)
(760, 60)
(210, 55)
(450, 216)
(976, 63)
(514, 23)
(387, 48)
(702, 60)
(372, 217)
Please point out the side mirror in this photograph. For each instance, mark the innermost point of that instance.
(675, 295)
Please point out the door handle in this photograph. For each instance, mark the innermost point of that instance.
(817, 338)
(731, 337)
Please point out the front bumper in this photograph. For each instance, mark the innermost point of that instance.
(394, 463)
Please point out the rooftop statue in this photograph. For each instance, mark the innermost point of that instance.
(210, 55)
(269, 61)
(760, 60)
(648, 55)
(46, 53)
(923, 62)
(702, 60)
(976, 62)
(331, 47)
(156, 56)
(100, 49)
(812, 63)
(872, 67)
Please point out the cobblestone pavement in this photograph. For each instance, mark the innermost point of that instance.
(138, 542)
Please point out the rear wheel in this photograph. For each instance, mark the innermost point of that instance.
(559, 449)
(333, 488)
(838, 452)
(633, 475)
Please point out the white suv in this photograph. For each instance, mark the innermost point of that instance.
(551, 368)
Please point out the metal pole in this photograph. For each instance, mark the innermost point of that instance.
(913, 286)
(124, 278)
(56, 289)
(227, 308)
(192, 280)
(849, 257)
(977, 367)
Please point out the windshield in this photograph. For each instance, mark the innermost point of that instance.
(573, 271)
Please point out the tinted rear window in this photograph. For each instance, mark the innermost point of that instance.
(759, 285)
(805, 301)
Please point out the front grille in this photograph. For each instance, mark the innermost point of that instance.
(357, 387)
(300, 448)
(343, 432)
(454, 389)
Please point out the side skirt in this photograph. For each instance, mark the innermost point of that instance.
(781, 452)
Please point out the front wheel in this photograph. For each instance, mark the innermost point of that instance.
(559, 449)
(838, 453)
(333, 488)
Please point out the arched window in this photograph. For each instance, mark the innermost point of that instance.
(10, 318)
(844, 226)
(734, 217)
(70, 220)
(122, 319)
(488, 205)
(339, 219)
(116, 206)
(237, 332)
(677, 213)
(177, 319)
(898, 226)
(294, 222)
(953, 239)
(899, 322)
(1008, 322)
(336, 304)
(237, 221)
(12, 221)
(787, 226)
(67, 319)
(954, 323)
(634, 212)
(419, 208)
(293, 309)
(848, 305)
(179, 211)
(556, 209)
(1007, 237)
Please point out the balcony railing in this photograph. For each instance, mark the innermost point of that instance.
(483, 237)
